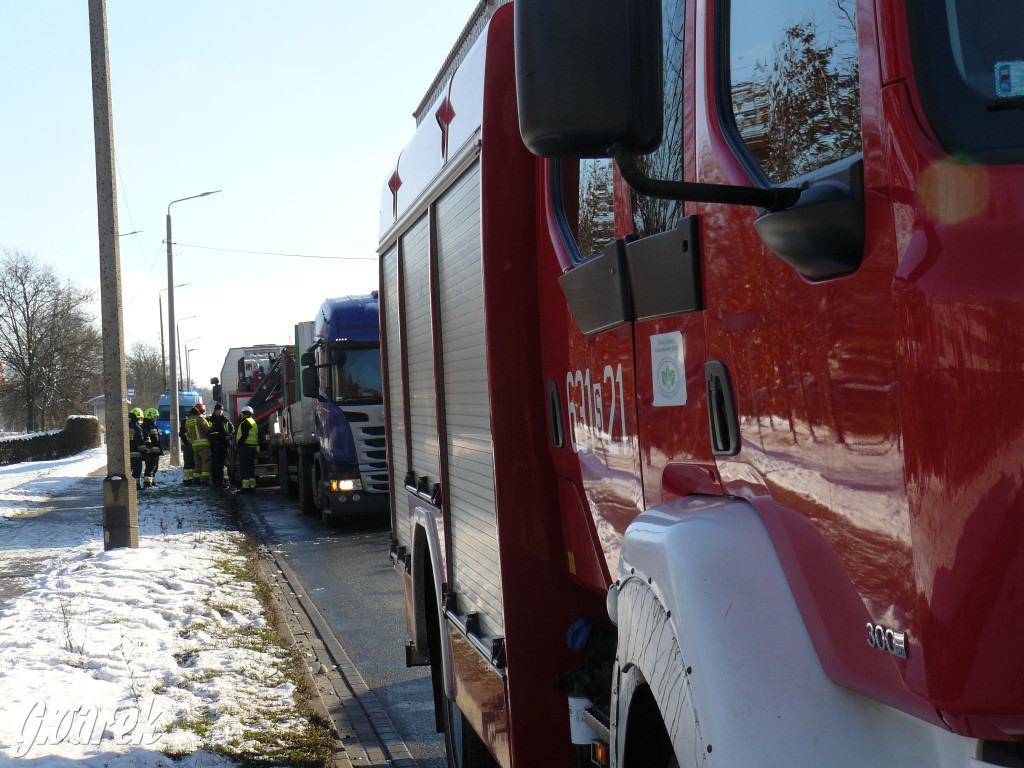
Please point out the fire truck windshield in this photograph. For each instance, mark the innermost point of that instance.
(969, 67)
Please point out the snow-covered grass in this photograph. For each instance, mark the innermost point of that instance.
(161, 655)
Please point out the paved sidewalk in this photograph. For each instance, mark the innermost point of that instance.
(74, 517)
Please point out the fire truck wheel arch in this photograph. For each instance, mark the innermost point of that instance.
(710, 621)
(427, 554)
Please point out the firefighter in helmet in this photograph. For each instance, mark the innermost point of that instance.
(188, 461)
(198, 428)
(136, 444)
(246, 441)
(220, 440)
(153, 449)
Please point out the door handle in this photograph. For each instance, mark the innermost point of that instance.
(725, 433)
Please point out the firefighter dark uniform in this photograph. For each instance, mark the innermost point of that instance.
(188, 461)
(246, 441)
(136, 444)
(220, 438)
(153, 449)
(197, 428)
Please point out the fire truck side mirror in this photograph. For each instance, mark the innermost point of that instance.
(588, 76)
(310, 383)
(307, 359)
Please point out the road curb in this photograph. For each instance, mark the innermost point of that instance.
(365, 735)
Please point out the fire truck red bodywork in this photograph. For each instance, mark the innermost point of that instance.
(880, 414)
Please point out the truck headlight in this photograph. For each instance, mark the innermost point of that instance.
(346, 485)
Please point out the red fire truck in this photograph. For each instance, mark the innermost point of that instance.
(737, 413)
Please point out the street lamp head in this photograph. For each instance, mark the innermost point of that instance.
(190, 197)
(179, 285)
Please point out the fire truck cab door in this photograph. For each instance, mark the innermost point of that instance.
(632, 388)
(599, 458)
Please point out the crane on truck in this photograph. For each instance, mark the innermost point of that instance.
(702, 332)
(253, 376)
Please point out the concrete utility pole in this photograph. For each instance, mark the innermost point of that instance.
(120, 501)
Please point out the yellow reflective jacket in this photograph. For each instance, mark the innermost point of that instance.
(197, 428)
(251, 436)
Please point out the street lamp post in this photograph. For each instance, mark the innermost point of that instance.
(177, 327)
(174, 446)
(188, 365)
(163, 356)
(188, 368)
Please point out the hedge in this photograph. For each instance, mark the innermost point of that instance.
(79, 434)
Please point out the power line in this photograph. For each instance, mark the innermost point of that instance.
(267, 253)
(123, 193)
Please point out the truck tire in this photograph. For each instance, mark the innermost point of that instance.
(462, 746)
(234, 479)
(320, 498)
(318, 491)
(284, 480)
(305, 483)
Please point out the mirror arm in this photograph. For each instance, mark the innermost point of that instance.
(772, 199)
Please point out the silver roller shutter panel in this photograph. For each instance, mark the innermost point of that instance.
(470, 482)
(419, 349)
(396, 393)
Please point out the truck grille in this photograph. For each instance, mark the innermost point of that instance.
(368, 432)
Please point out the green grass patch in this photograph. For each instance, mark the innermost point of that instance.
(272, 734)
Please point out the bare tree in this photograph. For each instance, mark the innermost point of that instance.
(50, 347)
(144, 368)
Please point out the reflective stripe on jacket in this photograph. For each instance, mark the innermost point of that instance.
(197, 429)
(251, 434)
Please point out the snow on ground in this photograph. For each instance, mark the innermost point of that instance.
(134, 656)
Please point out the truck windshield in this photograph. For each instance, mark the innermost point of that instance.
(356, 376)
(969, 67)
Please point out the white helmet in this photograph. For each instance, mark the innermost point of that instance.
(247, 409)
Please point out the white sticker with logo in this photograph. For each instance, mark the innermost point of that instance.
(668, 369)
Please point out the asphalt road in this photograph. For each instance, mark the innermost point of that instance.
(346, 572)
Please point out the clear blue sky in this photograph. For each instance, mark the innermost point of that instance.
(297, 111)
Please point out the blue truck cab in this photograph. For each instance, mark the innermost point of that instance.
(343, 383)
